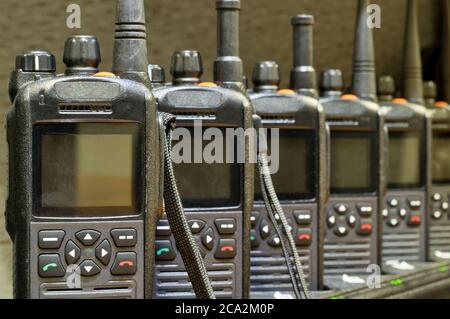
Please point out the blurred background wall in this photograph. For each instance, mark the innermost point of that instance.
(190, 24)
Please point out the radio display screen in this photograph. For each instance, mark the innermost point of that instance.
(353, 162)
(405, 158)
(297, 156)
(87, 169)
(205, 182)
(441, 157)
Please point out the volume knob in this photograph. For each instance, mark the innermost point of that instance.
(82, 55)
(36, 61)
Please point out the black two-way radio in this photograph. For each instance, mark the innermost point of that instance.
(86, 156)
(301, 174)
(217, 195)
(405, 204)
(439, 191)
(357, 166)
(84, 169)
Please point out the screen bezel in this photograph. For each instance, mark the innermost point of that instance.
(422, 160)
(103, 127)
(446, 134)
(236, 182)
(310, 138)
(374, 165)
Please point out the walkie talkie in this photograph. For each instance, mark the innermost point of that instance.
(301, 177)
(84, 169)
(439, 191)
(217, 196)
(405, 204)
(357, 166)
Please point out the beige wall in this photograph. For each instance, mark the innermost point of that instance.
(184, 24)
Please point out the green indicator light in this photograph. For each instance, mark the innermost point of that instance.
(252, 237)
(396, 282)
(337, 297)
(443, 269)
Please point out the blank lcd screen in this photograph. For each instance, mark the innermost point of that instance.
(296, 175)
(202, 183)
(441, 157)
(88, 169)
(404, 160)
(352, 163)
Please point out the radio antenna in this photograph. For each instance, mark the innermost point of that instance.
(303, 74)
(364, 79)
(228, 65)
(130, 42)
(412, 62)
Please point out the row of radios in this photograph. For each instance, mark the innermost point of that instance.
(363, 179)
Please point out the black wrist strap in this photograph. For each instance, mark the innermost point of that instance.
(189, 251)
(274, 209)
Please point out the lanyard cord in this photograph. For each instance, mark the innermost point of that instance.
(274, 208)
(184, 240)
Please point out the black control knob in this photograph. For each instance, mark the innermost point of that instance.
(386, 88)
(36, 61)
(157, 74)
(331, 82)
(266, 76)
(82, 55)
(187, 67)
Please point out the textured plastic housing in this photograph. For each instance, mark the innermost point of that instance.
(39, 102)
(293, 111)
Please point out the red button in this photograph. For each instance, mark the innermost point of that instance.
(415, 220)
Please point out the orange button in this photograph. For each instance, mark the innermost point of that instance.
(400, 101)
(105, 74)
(286, 91)
(208, 84)
(349, 97)
(441, 104)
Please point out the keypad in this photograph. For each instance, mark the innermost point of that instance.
(89, 249)
(300, 226)
(440, 206)
(211, 237)
(344, 218)
(403, 210)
